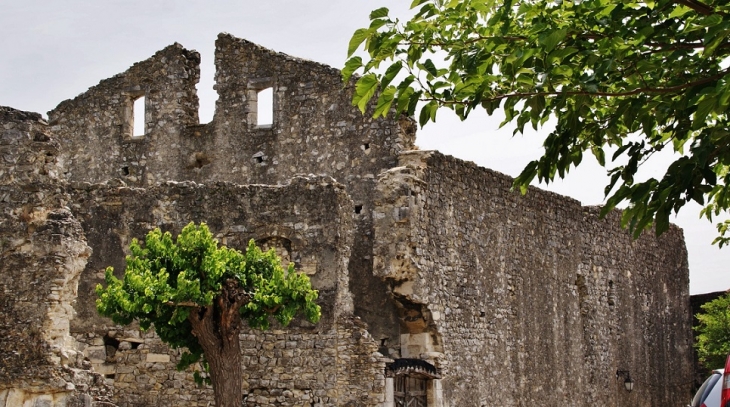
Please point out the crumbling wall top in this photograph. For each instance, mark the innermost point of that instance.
(313, 127)
(8, 114)
(143, 74)
(97, 128)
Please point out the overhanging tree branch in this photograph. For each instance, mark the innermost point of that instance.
(637, 91)
(650, 69)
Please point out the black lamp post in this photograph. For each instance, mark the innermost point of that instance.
(628, 383)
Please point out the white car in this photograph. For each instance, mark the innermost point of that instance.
(710, 392)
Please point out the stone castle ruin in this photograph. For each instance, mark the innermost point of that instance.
(438, 285)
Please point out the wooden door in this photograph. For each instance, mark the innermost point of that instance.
(410, 391)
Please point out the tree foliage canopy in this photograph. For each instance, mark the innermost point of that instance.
(713, 332)
(174, 284)
(623, 79)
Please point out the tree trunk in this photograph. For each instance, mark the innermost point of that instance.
(217, 329)
(226, 373)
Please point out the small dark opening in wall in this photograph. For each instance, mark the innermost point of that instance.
(384, 342)
(109, 341)
(358, 209)
(111, 345)
(259, 159)
(110, 376)
(482, 314)
(135, 345)
(611, 293)
(366, 146)
(125, 171)
(201, 160)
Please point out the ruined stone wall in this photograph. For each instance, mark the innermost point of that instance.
(311, 216)
(309, 222)
(315, 130)
(282, 367)
(55, 350)
(95, 129)
(43, 254)
(530, 299)
(416, 255)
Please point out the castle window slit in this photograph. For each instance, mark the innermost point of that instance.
(138, 117)
(265, 107)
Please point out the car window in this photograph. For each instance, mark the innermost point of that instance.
(705, 389)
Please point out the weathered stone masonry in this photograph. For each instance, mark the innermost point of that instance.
(43, 256)
(481, 296)
(530, 298)
(315, 131)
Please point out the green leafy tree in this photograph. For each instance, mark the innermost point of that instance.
(713, 332)
(621, 78)
(196, 294)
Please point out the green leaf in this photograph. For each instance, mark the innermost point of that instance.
(662, 220)
(352, 65)
(428, 112)
(679, 11)
(608, 9)
(711, 20)
(379, 13)
(385, 100)
(375, 25)
(554, 38)
(719, 39)
(525, 178)
(430, 67)
(390, 73)
(357, 38)
(404, 99)
(364, 90)
(600, 155)
(704, 108)
(557, 56)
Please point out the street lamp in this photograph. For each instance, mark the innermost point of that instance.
(628, 383)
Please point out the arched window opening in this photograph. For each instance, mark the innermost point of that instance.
(138, 117)
(265, 107)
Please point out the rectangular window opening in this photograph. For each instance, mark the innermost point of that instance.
(139, 117)
(265, 107)
(207, 97)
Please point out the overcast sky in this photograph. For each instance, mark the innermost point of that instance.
(55, 49)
